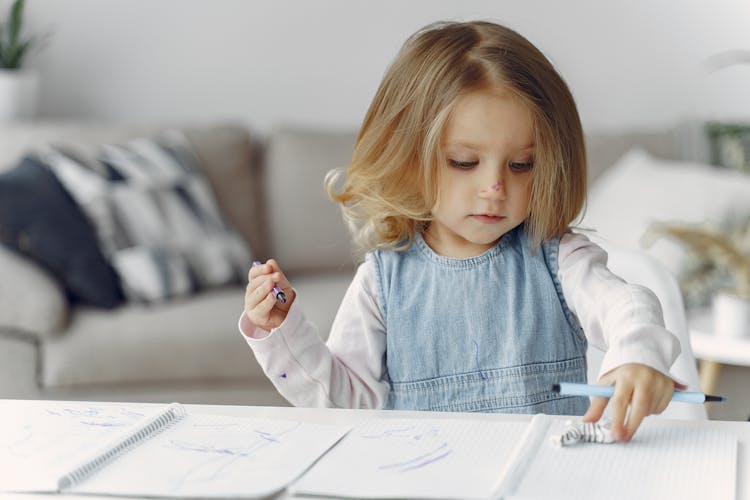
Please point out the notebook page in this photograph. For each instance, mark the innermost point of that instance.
(662, 461)
(42, 440)
(415, 458)
(110, 449)
(216, 456)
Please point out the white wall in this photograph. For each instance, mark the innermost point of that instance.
(630, 64)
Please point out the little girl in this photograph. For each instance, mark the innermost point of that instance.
(474, 295)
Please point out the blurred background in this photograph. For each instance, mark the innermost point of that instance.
(629, 64)
(294, 80)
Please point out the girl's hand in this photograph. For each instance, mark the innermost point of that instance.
(646, 390)
(261, 307)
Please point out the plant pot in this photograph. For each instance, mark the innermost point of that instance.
(731, 314)
(18, 95)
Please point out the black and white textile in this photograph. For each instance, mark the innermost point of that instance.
(40, 220)
(155, 216)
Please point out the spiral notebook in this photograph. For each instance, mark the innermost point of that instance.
(100, 449)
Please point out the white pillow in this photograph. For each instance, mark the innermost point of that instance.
(640, 190)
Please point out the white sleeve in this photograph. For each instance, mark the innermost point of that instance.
(347, 371)
(623, 319)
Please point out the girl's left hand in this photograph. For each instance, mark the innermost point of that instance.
(646, 390)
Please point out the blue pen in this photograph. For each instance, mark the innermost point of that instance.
(277, 292)
(607, 391)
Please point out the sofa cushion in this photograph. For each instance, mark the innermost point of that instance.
(155, 216)
(306, 228)
(18, 359)
(190, 339)
(193, 338)
(39, 219)
(31, 300)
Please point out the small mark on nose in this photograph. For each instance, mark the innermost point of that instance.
(495, 187)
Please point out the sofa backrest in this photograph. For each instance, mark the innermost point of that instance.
(226, 152)
(18, 139)
(306, 228)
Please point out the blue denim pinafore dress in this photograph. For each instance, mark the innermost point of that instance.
(490, 333)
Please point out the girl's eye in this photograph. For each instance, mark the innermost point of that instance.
(463, 164)
(517, 166)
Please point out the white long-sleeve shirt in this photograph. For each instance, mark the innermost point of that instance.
(348, 370)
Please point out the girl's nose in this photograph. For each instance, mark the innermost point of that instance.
(494, 191)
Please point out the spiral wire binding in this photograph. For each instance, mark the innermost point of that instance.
(159, 423)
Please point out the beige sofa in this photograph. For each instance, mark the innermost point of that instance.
(186, 349)
(270, 190)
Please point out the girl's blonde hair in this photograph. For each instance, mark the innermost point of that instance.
(398, 147)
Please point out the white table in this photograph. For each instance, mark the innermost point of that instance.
(330, 416)
(712, 350)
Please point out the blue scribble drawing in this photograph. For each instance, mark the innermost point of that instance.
(267, 436)
(423, 440)
(81, 412)
(476, 359)
(130, 414)
(424, 460)
(263, 438)
(219, 458)
(214, 450)
(97, 418)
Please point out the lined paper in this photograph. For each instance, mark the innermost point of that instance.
(425, 458)
(663, 460)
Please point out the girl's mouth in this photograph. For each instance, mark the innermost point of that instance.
(487, 218)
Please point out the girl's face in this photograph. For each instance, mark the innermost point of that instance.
(485, 185)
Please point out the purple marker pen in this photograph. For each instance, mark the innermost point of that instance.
(276, 291)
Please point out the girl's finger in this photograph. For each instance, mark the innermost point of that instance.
(257, 290)
(256, 271)
(260, 312)
(639, 408)
(596, 409)
(619, 406)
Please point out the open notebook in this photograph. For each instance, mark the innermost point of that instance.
(132, 450)
(474, 459)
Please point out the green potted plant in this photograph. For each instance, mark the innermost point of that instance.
(18, 86)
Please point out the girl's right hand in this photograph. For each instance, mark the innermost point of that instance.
(261, 307)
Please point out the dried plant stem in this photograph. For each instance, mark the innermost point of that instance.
(714, 247)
